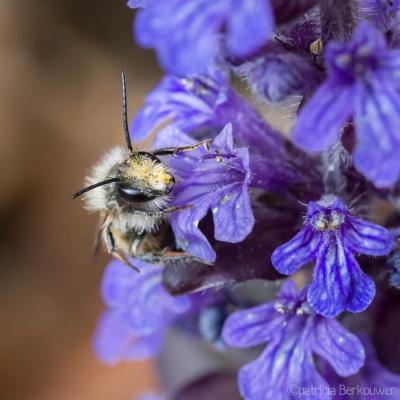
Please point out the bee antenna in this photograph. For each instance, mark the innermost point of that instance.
(106, 182)
(124, 112)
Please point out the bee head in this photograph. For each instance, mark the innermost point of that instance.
(143, 177)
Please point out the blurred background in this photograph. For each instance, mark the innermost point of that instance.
(60, 95)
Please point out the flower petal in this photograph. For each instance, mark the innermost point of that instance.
(339, 283)
(324, 115)
(114, 341)
(301, 250)
(150, 308)
(283, 365)
(119, 281)
(252, 326)
(188, 236)
(182, 100)
(233, 216)
(377, 121)
(343, 350)
(183, 33)
(248, 26)
(367, 238)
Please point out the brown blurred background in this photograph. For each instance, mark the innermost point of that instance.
(60, 95)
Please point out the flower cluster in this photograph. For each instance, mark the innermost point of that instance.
(257, 204)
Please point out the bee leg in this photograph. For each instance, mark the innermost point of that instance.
(177, 208)
(135, 244)
(112, 249)
(122, 258)
(161, 213)
(162, 258)
(170, 151)
(110, 242)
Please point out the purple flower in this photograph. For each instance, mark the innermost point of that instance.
(206, 101)
(115, 341)
(144, 303)
(278, 73)
(217, 180)
(294, 333)
(186, 34)
(203, 106)
(332, 235)
(363, 78)
(372, 381)
(141, 311)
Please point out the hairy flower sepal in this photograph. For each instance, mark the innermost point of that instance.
(331, 236)
(217, 180)
(294, 333)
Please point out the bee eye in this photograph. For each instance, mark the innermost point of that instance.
(134, 195)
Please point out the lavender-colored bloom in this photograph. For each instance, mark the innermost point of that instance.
(217, 180)
(372, 381)
(206, 101)
(201, 107)
(332, 235)
(185, 34)
(279, 73)
(115, 341)
(141, 311)
(294, 333)
(363, 77)
(141, 298)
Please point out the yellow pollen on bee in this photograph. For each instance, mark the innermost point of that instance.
(145, 170)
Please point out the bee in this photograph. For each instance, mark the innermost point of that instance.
(132, 191)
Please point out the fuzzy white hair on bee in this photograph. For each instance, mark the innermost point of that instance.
(131, 190)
